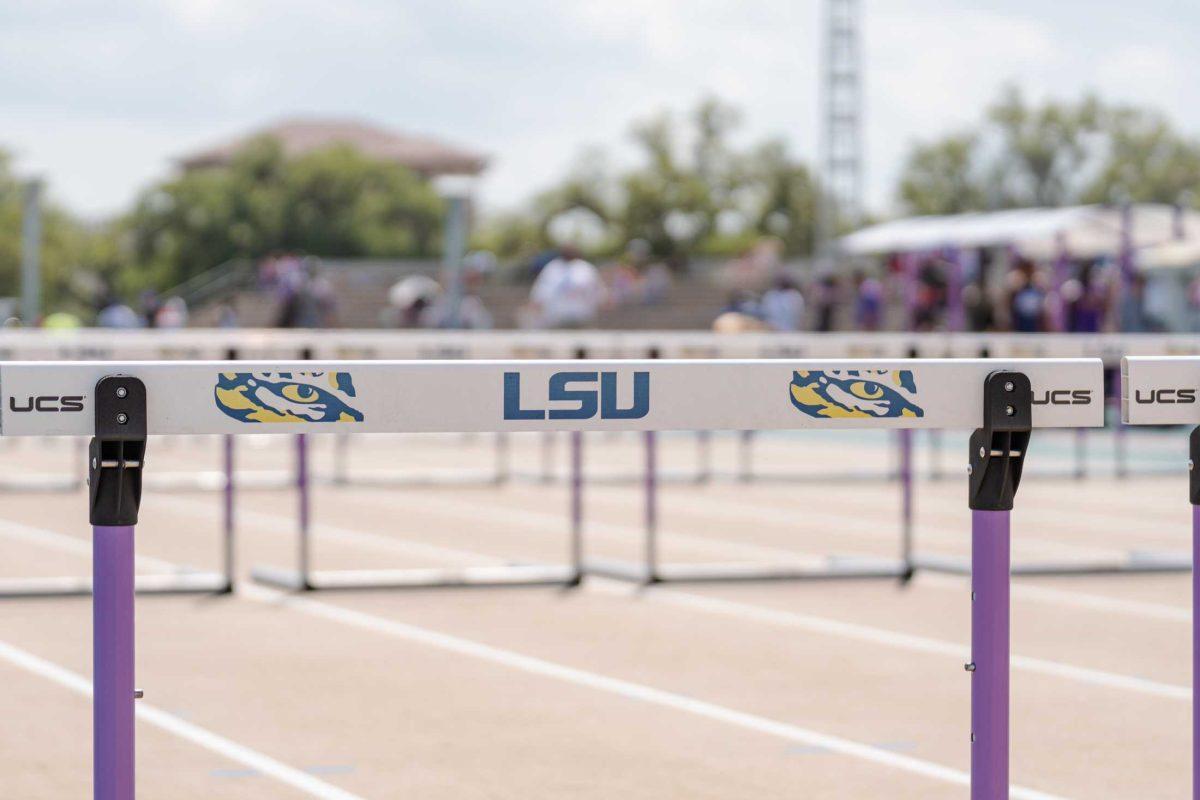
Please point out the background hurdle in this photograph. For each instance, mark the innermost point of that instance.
(1163, 391)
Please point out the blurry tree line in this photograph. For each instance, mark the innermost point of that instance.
(335, 202)
(692, 190)
(1055, 153)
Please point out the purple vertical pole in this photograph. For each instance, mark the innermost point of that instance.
(989, 654)
(956, 318)
(651, 489)
(303, 510)
(112, 662)
(1195, 650)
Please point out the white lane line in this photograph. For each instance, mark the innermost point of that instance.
(622, 688)
(910, 642)
(191, 732)
(1019, 590)
(536, 666)
(808, 622)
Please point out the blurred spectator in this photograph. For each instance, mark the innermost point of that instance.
(656, 284)
(470, 312)
(625, 279)
(782, 306)
(308, 299)
(929, 303)
(172, 314)
(1026, 299)
(868, 302)
(742, 302)
(828, 297)
(567, 293)
(1086, 301)
(981, 315)
(150, 306)
(115, 314)
(227, 316)
(61, 321)
(733, 321)
(409, 298)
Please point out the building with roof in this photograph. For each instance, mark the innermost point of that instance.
(424, 155)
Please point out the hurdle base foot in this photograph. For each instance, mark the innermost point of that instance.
(168, 584)
(835, 569)
(1139, 563)
(508, 575)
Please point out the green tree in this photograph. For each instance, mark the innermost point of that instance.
(788, 197)
(689, 179)
(1148, 161)
(1052, 154)
(332, 202)
(938, 177)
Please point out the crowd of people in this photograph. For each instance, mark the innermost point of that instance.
(304, 296)
(986, 290)
(976, 291)
(566, 291)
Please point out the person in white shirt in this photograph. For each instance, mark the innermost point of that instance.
(568, 291)
(782, 306)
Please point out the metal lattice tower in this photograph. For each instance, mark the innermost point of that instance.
(841, 137)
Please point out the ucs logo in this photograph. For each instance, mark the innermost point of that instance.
(585, 401)
(1166, 396)
(47, 402)
(1064, 397)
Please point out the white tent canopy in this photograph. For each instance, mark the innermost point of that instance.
(1080, 231)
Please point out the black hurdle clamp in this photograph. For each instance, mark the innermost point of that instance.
(998, 448)
(117, 451)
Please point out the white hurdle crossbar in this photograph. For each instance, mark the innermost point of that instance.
(124, 404)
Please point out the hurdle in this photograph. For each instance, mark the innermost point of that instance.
(1163, 391)
(130, 402)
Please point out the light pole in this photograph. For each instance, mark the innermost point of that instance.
(456, 190)
(31, 252)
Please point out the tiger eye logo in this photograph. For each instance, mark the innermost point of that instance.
(287, 396)
(855, 393)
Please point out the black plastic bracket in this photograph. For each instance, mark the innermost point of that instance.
(1193, 463)
(998, 448)
(117, 451)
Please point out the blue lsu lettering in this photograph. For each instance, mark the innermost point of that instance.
(587, 400)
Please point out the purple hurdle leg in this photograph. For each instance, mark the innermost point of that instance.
(989, 654)
(1195, 650)
(112, 666)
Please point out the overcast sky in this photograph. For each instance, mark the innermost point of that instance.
(99, 95)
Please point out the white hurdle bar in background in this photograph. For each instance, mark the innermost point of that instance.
(1166, 391)
(126, 403)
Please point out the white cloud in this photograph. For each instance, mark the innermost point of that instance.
(99, 96)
